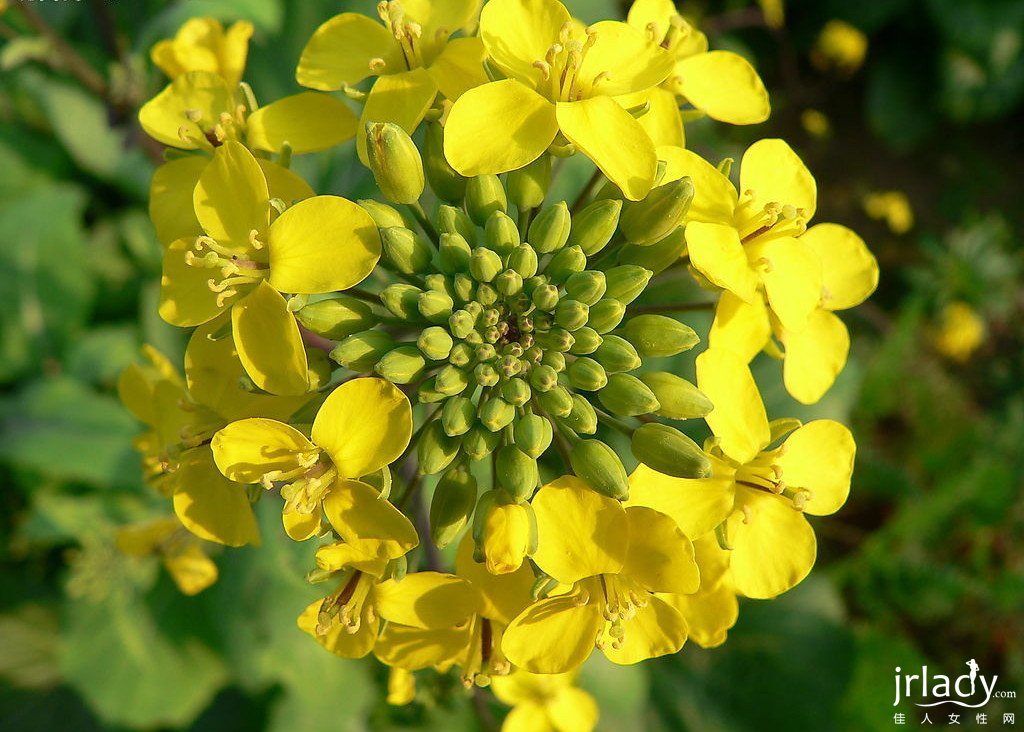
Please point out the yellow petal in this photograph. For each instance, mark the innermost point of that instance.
(211, 506)
(235, 51)
(322, 244)
(714, 196)
(163, 57)
(519, 32)
(434, 16)
(725, 86)
(427, 600)
(610, 136)
(307, 121)
(368, 522)
(502, 596)
(849, 269)
(284, 184)
(170, 199)
(506, 538)
(815, 356)
(163, 116)
(399, 98)
(142, 539)
(659, 557)
(337, 640)
(338, 555)
(413, 649)
(580, 532)
(656, 630)
(716, 252)
(776, 174)
(340, 51)
(553, 636)
(819, 457)
(738, 419)
(301, 526)
(740, 327)
(268, 342)
(364, 425)
(460, 67)
(709, 614)
(249, 449)
(527, 120)
(773, 546)
(185, 295)
(643, 12)
(191, 570)
(662, 121)
(573, 710)
(626, 52)
(696, 506)
(528, 716)
(232, 198)
(791, 273)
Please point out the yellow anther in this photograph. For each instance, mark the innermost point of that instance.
(193, 115)
(748, 514)
(254, 242)
(377, 65)
(545, 69)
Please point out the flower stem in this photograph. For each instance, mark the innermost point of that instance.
(424, 221)
(672, 308)
(588, 190)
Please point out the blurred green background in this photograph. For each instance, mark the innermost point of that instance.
(925, 564)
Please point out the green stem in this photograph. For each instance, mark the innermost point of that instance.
(424, 221)
(589, 189)
(617, 424)
(672, 308)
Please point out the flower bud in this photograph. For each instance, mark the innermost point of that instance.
(550, 229)
(405, 250)
(496, 414)
(557, 401)
(435, 306)
(606, 315)
(479, 442)
(461, 355)
(443, 178)
(533, 434)
(361, 351)
(452, 505)
(556, 339)
(571, 314)
(543, 378)
(517, 473)
(401, 365)
(545, 297)
(565, 263)
(626, 282)
(656, 257)
(506, 537)
(679, 398)
(435, 450)
(669, 451)
(318, 368)
(523, 260)
(394, 161)
(453, 253)
(600, 468)
(382, 214)
(508, 283)
(484, 264)
(528, 185)
(645, 222)
(451, 380)
(501, 233)
(486, 375)
(463, 287)
(554, 360)
(486, 295)
(586, 374)
(583, 418)
(337, 317)
(656, 336)
(617, 355)
(588, 286)
(516, 392)
(461, 323)
(587, 341)
(457, 415)
(402, 300)
(627, 396)
(427, 394)
(484, 196)
(594, 226)
(451, 220)
(435, 343)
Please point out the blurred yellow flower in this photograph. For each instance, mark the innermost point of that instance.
(959, 333)
(401, 687)
(201, 44)
(840, 46)
(545, 703)
(815, 123)
(181, 552)
(892, 207)
(774, 12)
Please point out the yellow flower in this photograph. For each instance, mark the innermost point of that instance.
(200, 110)
(507, 537)
(545, 703)
(840, 46)
(959, 333)
(201, 44)
(614, 559)
(401, 687)
(411, 54)
(756, 496)
(892, 207)
(774, 12)
(713, 608)
(561, 79)
(815, 123)
(244, 261)
(363, 425)
(182, 554)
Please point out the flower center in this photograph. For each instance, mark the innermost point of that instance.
(418, 51)
(348, 607)
(484, 658)
(758, 225)
(230, 269)
(620, 598)
(200, 130)
(560, 67)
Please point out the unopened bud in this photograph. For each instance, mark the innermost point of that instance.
(583, 418)
(528, 186)
(480, 442)
(435, 450)
(606, 315)
(453, 253)
(505, 536)
(443, 178)
(550, 230)
(600, 468)
(394, 161)
(587, 341)
(463, 287)
(336, 318)
(486, 295)
(496, 414)
(501, 233)
(523, 260)
(484, 196)
(586, 374)
(461, 323)
(543, 378)
(656, 336)
(667, 450)
(557, 401)
(645, 222)
(679, 398)
(571, 314)
(594, 226)
(588, 286)
(627, 396)
(405, 250)
(452, 505)
(451, 220)
(516, 392)
(517, 473)
(451, 380)
(545, 297)
(402, 300)
(617, 355)
(508, 283)
(401, 365)
(435, 343)
(382, 214)
(361, 351)
(435, 306)
(556, 339)
(566, 262)
(486, 375)
(457, 416)
(626, 282)
(656, 257)
(484, 264)
(533, 434)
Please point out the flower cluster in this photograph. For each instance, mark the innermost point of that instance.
(465, 364)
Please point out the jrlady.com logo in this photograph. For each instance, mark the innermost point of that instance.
(973, 689)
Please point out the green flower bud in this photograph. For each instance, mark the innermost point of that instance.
(587, 341)
(554, 360)
(405, 250)
(461, 355)
(678, 397)
(318, 368)
(626, 282)
(457, 415)
(486, 352)
(508, 283)
(528, 185)
(435, 450)
(545, 297)
(617, 355)
(586, 374)
(533, 434)
(337, 317)
(517, 473)
(497, 414)
(487, 501)
(509, 366)
(645, 222)
(565, 263)
(557, 401)
(435, 306)
(594, 226)
(484, 264)
(571, 314)
(523, 260)
(556, 339)
(656, 336)
(484, 196)
(461, 323)
(394, 161)
(656, 257)
(435, 343)
(427, 394)
(401, 365)
(486, 375)
(543, 378)
(453, 253)
(452, 505)
(588, 286)
(451, 380)
(550, 230)
(382, 214)
(479, 442)
(402, 300)
(486, 295)
(669, 451)
(443, 178)
(439, 283)
(451, 220)
(516, 392)
(600, 468)
(627, 396)
(464, 287)
(360, 351)
(606, 315)
(583, 418)
(501, 233)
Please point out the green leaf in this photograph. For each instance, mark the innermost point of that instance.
(81, 123)
(99, 356)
